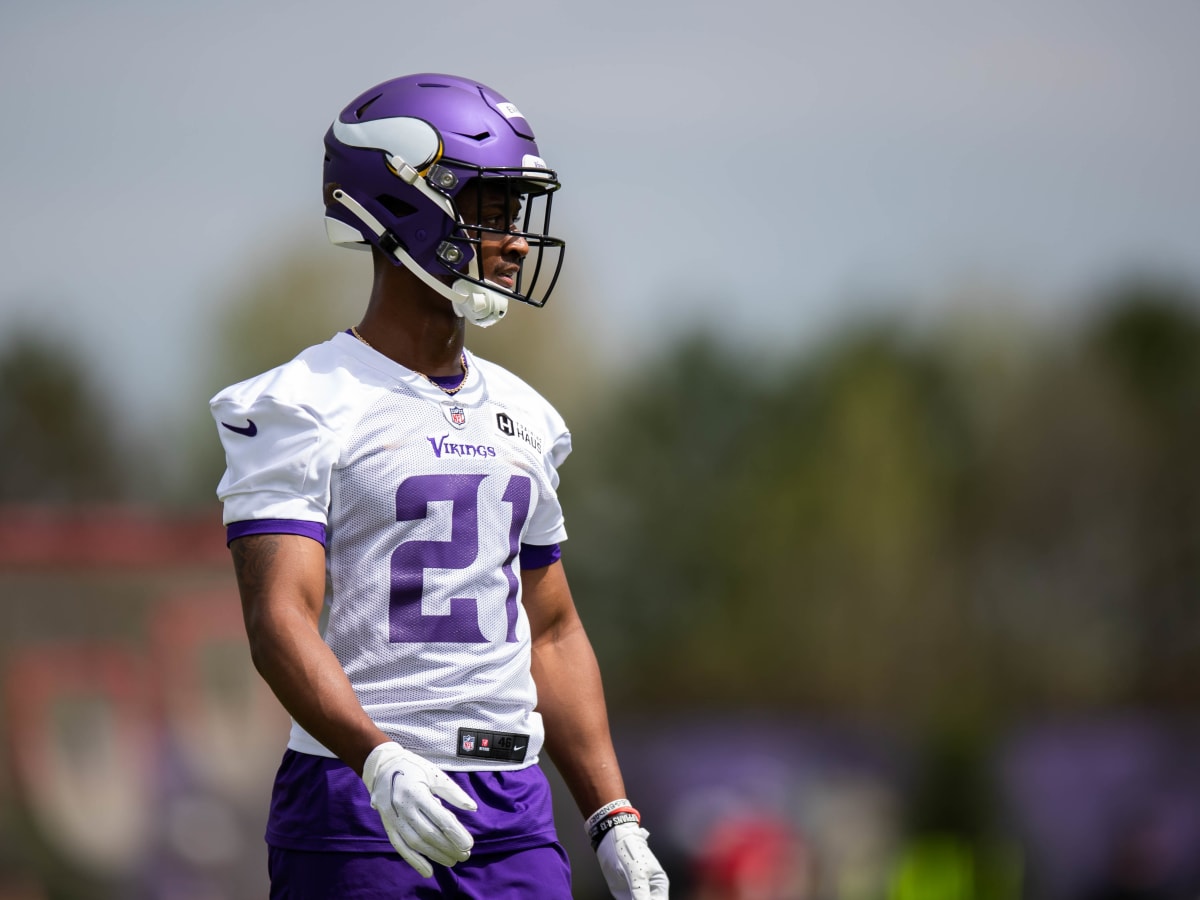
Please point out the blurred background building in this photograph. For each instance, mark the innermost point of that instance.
(880, 343)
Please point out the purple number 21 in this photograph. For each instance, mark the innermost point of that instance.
(410, 560)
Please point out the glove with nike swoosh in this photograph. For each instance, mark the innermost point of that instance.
(630, 868)
(405, 790)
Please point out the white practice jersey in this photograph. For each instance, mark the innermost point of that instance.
(425, 500)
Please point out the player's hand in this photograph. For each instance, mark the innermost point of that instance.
(405, 790)
(631, 870)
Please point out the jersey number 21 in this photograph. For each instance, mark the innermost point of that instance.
(412, 558)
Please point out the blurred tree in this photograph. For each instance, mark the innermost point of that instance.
(1084, 563)
(1147, 335)
(942, 529)
(867, 472)
(59, 444)
(646, 500)
(780, 538)
(1148, 345)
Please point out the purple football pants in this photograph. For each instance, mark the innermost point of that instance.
(326, 842)
(538, 873)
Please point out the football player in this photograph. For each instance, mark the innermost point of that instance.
(391, 505)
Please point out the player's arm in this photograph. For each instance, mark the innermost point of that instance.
(570, 693)
(281, 578)
(578, 741)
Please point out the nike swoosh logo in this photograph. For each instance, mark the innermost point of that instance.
(518, 749)
(249, 430)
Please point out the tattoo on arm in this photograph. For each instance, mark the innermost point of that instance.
(253, 558)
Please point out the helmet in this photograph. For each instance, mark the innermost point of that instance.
(398, 157)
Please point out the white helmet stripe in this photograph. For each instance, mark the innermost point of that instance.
(411, 145)
(406, 139)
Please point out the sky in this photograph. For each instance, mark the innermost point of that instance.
(765, 168)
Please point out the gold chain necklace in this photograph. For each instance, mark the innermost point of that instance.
(451, 391)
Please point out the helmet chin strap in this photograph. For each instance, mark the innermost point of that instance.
(478, 304)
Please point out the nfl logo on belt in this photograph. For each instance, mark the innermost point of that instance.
(458, 416)
(468, 743)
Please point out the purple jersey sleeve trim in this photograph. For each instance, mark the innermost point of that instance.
(314, 530)
(534, 556)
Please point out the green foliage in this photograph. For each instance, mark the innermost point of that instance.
(58, 445)
(1148, 345)
(944, 529)
(1148, 337)
(745, 528)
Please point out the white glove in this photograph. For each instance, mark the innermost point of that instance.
(631, 870)
(404, 789)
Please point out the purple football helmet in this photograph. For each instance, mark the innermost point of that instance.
(397, 159)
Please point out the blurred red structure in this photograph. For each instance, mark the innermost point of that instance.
(129, 698)
(47, 537)
(760, 858)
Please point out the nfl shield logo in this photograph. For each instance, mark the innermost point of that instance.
(455, 414)
(468, 743)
